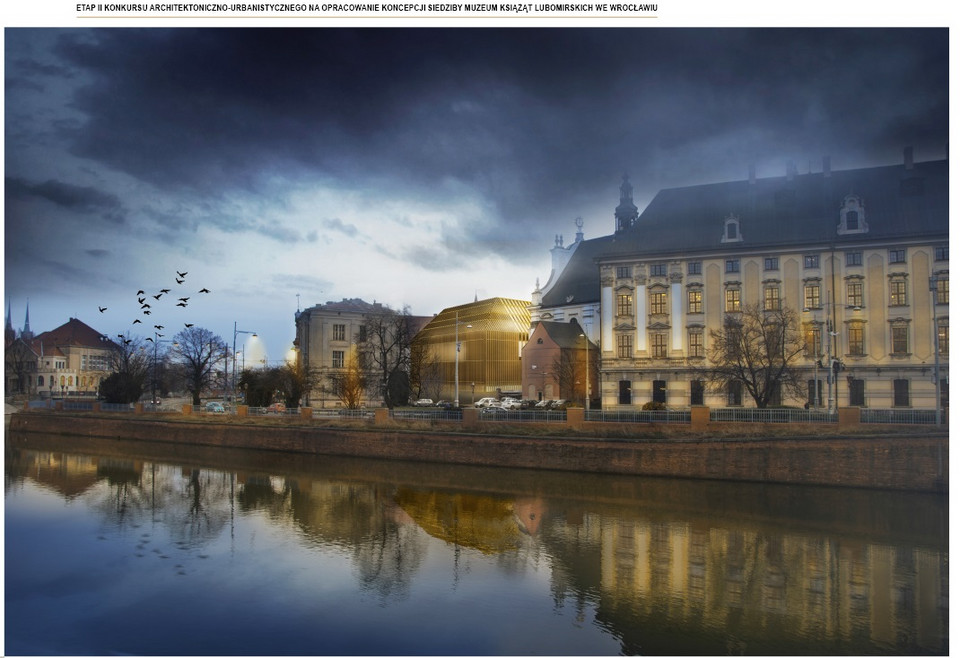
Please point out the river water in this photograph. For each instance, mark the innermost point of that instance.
(117, 547)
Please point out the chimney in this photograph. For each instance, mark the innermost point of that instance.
(826, 166)
(908, 158)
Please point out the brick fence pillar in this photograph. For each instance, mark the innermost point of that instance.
(96, 406)
(699, 418)
(187, 409)
(242, 410)
(306, 413)
(471, 417)
(848, 416)
(381, 416)
(138, 408)
(58, 405)
(575, 416)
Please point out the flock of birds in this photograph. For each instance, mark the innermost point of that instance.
(147, 309)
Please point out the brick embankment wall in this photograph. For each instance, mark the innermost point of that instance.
(900, 463)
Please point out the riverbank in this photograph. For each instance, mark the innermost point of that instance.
(917, 462)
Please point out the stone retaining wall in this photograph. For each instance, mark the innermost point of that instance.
(901, 463)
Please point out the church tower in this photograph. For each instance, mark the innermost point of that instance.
(626, 213)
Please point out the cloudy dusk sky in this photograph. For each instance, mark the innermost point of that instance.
(411, 166)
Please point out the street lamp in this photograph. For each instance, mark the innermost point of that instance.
(586, 379)
(236, 331)
(456, 359)
(934, 280)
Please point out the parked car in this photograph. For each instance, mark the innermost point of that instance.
(277, 408)
(423, 402)
(511, 403)
(215, 408)
(445, 404)
(486, 402)
(543, 404)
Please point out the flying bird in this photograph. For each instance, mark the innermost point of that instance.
(183, 299)
(145, 306)
(164, 289)
(146, 312)
(187, 324)
(158, 327)
(140, 300)
(102, 308)
(179, 280)
(137, 321)
(181, 274)
(158, 296)
(140, 292)
(150, 339)
(204, 290)
(184, 304)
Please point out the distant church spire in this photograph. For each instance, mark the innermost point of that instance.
(26, 334)
(626, 213)
(8, 332)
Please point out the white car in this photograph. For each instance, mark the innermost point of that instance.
(486, 402)
(423, 402)
(511, 403)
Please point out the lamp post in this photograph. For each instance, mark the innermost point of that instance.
(456, 359)
(156, 343)
(236, 331)
(934, 280)
(832, 369)
(586, 378)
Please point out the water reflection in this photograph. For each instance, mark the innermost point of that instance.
(625, 565)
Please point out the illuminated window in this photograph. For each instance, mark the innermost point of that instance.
(624, 305)
(855, 338)
(771, 298)
(811, 295)
(732, 300)
(899, 339)
(658, 302)
(943, 291)
(898, 292)
(943, 339)
(694, 301)
(696, 343)
(624, 346)
(812, 340)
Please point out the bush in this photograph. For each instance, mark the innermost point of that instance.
(654, 406)
(121, 388)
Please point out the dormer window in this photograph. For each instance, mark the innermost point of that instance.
(731, 230)
(852, 216)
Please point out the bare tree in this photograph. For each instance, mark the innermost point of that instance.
(199, 352)
(349, 384)
(426, 371)
(20, 359)
(758, 349)
(384, 352)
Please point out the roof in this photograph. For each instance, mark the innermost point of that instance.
(497, 314)
(73, 333)
(567, 335)
(798, 211)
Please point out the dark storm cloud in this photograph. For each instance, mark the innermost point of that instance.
(81, 199)
(534, 121)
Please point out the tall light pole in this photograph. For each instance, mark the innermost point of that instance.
(934, 280)
(236, 331)
(456, 359)
(156, 343)
(586, 378)
(832, 369)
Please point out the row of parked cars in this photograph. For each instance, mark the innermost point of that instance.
(494, 403)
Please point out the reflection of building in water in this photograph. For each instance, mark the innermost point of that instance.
(68, 475)
(805, 585)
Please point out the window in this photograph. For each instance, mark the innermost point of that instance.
(660, 269)
(362, 334)
(857, 397)
(694, 267)
(898, 256)
(771, 298)
(812, 340)
(624, 397)
(660, 390)
(943, 339)
(941, 253)
(943, 291)
(658, 342)
(733, 300)
(623, 272)
(337, 359)
(624, 346)
(624, 305)
(898, 292)
(853, 220)
(771, 263)
(733, 265)
(855, 293)
(694, 301)
(811, 260)
(854, 258)
(898, 339)
(734, 394)
(339, 332)
(901, 393)
(811, 295)
(815, 393)
(658, 302)
(855, 338)
(696, 392)
(696, 343)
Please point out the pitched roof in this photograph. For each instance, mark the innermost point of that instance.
(565, 334)
(73, 333)
(800, 211)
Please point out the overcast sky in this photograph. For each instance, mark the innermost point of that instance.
(416, 167)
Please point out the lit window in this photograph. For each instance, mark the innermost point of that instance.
(811, 295)
(659, 343)
(943, 339)
(732, 300)
(658, 302)
(855, 339)
(898, 338)
(811, 341)
(624, 346)
(771, 299)
(943, 291)
(898, 292)
(694, 301)
(696, 343)
(624, 305)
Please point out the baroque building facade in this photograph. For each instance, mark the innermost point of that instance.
(861, 255)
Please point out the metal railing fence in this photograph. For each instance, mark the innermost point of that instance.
(493, 414)
(899, 416)
(427, 414)
(753, 415)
